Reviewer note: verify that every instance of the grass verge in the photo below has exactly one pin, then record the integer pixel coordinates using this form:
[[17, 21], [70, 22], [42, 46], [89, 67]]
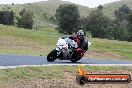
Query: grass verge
[[46, 71]]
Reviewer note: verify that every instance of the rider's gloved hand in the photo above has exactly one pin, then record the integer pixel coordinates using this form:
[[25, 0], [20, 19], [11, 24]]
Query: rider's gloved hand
[[79, 50]]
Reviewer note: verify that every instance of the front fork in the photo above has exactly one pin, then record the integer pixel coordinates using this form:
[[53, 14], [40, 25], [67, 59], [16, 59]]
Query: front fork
[[58, 51]]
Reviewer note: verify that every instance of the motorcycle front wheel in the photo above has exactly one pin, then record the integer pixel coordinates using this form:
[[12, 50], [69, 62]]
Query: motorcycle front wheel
[[52, 56]]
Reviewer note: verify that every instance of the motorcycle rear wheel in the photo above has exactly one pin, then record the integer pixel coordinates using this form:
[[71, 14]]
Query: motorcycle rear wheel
[[76, 57], [52, 56], [73, 60]]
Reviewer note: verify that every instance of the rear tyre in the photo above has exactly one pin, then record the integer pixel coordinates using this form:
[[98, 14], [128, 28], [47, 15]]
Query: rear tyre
[[75, 57], [52, 56], [73, 60]]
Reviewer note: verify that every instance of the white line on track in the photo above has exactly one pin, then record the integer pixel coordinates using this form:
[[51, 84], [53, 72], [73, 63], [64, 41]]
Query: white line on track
[[12, 67]]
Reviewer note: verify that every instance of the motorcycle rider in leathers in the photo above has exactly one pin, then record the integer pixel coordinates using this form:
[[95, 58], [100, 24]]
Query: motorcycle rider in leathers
[[81, 41]]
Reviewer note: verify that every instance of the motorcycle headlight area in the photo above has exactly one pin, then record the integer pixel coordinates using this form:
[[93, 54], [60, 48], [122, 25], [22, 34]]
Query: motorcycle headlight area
[[65, 46]]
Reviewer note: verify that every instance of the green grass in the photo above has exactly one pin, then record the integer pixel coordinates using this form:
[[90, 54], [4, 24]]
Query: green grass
[[47, 71], [100, 68], [122, 48], [23, 41], [127, 54], [31, 72]]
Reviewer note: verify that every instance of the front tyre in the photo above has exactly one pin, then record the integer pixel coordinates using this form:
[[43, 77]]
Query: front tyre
[[52, 56]]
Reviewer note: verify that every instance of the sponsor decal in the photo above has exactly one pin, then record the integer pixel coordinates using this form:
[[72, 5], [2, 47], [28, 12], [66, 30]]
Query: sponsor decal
[[82, 77]]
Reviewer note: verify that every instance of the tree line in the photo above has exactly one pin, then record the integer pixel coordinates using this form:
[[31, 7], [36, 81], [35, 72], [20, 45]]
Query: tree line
[[68, 20], [23, 20], [100, 26]]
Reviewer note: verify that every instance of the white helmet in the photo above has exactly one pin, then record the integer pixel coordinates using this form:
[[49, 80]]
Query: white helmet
[[80, 33]]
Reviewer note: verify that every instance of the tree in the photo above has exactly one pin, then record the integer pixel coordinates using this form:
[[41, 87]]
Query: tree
[[45, 16], [130, 26], [12, 4], [124, 9], [52, 19], [122, 23], [120, 33], [130, 18], [122, 15], [97, 23], [25, 20], [100, 7], [82, 23], [7, 17], [67, 16]]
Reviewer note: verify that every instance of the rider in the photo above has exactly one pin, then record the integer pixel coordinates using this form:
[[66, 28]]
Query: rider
[[81, 41]]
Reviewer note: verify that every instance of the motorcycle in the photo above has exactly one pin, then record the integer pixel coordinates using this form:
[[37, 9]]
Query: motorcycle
[[65, 50]]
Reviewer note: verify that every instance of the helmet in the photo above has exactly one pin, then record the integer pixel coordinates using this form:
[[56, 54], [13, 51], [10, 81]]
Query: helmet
[[80, 34]]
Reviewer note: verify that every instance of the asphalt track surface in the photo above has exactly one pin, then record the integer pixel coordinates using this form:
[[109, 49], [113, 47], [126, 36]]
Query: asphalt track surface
[[17, 60]]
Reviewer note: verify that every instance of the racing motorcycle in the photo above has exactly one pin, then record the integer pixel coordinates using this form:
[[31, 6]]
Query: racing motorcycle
[[65, 50]]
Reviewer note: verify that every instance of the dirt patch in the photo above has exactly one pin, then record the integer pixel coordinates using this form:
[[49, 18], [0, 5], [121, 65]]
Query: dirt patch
[[68, 82], [22, 45], [103, 55], [18, 43]]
